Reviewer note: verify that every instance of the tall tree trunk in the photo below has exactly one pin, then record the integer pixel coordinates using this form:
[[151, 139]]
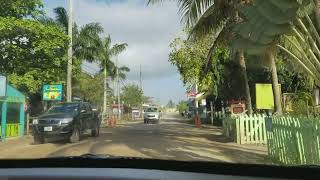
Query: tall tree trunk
[[243, 71], [104, 112], [275, 84]]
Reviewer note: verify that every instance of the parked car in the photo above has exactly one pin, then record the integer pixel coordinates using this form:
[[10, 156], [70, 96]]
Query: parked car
[[152, 114], [66, 121]]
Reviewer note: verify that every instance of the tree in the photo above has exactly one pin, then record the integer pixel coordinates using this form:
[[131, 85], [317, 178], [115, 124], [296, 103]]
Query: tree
[[214, 17], [265, 22], [132, 95], [303, 47], [106, 52], [190, 56], [86, 40], [90, 88], [31, 52], [170, 104], [21, 8], [182, 106]]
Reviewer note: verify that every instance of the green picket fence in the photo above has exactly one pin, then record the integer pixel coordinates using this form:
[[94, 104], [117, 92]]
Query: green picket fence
[[12, 130], [246, 129], [293, 141]]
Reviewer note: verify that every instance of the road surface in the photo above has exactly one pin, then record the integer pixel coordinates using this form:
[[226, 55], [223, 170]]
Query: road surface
[[173, 138]]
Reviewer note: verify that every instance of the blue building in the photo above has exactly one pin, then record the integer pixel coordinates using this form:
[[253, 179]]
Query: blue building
[[12, 113]]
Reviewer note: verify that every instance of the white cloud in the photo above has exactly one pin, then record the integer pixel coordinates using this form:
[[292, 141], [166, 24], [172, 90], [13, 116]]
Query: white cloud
[[147, 29]]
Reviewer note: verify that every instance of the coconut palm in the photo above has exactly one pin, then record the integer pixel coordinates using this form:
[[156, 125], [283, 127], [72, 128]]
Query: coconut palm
[[214, 17], [86, 41], [106, 52], [265, 22]]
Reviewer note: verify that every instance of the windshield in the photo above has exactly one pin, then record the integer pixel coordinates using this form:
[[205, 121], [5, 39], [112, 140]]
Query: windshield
[[188, 80], [152, 110], [64, 108]]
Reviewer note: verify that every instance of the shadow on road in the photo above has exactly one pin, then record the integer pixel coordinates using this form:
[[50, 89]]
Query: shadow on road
[[170, 140]]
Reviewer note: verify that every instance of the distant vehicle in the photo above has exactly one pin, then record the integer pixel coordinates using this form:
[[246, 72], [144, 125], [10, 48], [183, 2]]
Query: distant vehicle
[[152, 114], [66, 121], [135, 112]]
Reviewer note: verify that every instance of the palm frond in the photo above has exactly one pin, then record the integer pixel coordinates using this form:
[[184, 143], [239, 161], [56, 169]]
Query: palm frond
[[61, 16], [88, 43], [213, 18], [118, 48], [124, 69]]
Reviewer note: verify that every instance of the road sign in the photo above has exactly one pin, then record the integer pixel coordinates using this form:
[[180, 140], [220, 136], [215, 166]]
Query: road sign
[[3, 86], [52, 92]]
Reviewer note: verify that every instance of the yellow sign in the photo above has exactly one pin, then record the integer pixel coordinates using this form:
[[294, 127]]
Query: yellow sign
[[264, 96]]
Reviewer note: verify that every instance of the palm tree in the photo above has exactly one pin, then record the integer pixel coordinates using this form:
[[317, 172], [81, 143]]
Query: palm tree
[[86, 41], [265, 22], [106, 52], [215, 17]]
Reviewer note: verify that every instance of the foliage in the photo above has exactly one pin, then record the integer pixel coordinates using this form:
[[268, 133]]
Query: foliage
[[132, 95], [265, 22], [20, 8], [301, 103], [215, 17], [182, 106], [31, 52], [89, 88], [302, 47], [190, 57], [106, 52]]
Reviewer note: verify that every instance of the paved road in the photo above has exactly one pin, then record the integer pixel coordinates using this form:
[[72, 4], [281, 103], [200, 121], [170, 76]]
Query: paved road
[[173, 138]]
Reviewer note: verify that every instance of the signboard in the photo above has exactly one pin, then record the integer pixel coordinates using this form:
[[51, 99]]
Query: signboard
[[3, 86], [237, 108], [52, 92], [264, 96]]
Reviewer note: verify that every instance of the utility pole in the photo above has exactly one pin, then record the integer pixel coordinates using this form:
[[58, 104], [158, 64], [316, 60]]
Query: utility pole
[[105, 87], [141, 106], [196, 101], [140, 78], [69, 69], [118, 87]]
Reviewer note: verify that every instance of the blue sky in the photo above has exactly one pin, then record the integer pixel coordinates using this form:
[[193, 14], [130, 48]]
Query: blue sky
[[147, 29]]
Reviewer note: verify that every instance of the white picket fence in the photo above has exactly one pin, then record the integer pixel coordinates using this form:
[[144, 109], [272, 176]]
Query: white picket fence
[[246, 129]]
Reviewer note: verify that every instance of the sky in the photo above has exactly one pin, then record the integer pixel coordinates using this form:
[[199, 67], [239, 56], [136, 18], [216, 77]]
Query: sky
[[148, 30]]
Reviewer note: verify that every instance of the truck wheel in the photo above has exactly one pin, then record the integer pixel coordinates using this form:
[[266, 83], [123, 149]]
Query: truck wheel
[[75, 136], [95, 132], [144, 121], [38, 140]]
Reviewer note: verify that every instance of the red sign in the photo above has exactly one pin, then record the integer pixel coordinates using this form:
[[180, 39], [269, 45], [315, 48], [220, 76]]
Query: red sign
[[235, 102], [237, 108]]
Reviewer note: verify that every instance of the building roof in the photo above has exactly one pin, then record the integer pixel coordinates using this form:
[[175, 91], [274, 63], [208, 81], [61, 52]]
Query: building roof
[[13, 95]]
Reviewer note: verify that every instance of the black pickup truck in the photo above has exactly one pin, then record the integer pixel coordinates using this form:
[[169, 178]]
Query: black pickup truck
[[66, 121]]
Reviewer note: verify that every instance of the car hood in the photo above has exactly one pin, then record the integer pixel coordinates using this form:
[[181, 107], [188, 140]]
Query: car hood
[[57, 115], [151, 113]]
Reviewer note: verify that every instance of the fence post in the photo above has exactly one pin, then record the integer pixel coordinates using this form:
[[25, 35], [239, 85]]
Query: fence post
[[28, 126]]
